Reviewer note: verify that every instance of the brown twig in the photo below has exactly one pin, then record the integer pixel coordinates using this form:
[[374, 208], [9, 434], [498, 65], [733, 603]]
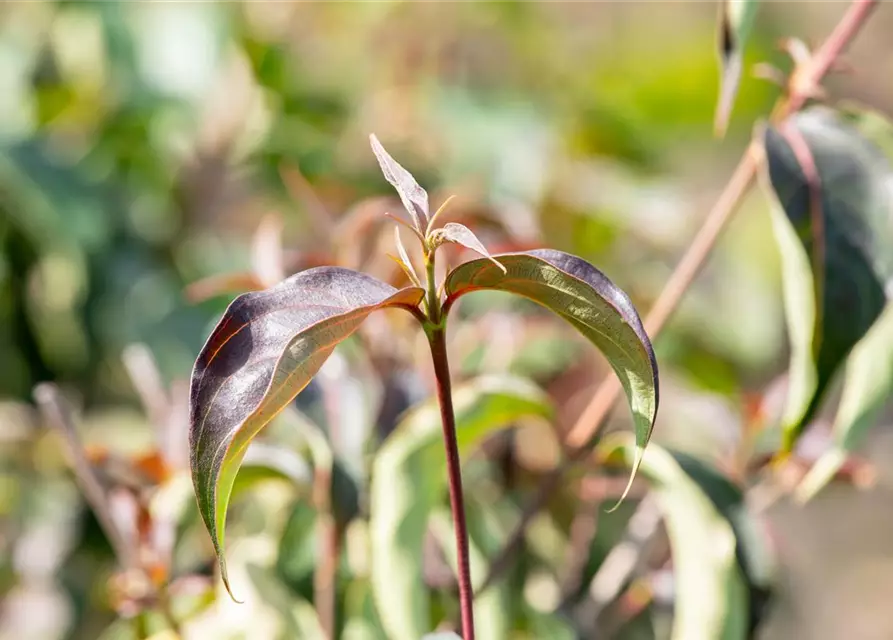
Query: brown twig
[[803, 85], [57, 413]]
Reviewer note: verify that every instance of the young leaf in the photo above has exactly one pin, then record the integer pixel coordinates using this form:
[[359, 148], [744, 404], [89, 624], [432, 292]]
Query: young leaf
[[588, 300], [711, 601], [460, 234], [832, 225], [735, 23], [414, 198], [262, 353], [409, 480], [403, 261]]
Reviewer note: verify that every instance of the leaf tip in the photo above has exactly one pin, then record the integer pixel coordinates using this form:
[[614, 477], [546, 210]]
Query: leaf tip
[[225, 577], [637, 461]]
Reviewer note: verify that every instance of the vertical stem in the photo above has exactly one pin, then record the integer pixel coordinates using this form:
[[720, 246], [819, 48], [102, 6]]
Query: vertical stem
[[437, 340]]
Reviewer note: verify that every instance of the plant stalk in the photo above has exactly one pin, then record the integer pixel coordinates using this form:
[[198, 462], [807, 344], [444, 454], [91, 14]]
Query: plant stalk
[[588, 425], [437, 341]]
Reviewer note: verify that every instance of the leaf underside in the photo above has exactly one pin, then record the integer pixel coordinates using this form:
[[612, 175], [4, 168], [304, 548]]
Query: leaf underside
[[581, 294], [832, 224], [262, 353]]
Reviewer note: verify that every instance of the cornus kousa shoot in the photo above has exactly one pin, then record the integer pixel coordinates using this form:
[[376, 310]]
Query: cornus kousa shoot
[[270, 343]]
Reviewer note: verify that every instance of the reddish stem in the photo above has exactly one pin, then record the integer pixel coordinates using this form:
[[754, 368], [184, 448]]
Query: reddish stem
[[437, 340]]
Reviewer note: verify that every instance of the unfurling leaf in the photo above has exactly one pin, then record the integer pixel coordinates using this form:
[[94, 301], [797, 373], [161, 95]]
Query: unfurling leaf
[[735, 23], [403, 261], [414, 198], [711, 596], [588, 300], [832, 225], [409, 480], [460, 234], [261, 354]]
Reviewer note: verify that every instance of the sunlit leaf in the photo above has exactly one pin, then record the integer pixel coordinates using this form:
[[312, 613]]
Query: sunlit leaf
[[414, 198], [711, 600], [460, 234], [735, 23], [409, 480], [832, 224], [263, 352], [585, 297]]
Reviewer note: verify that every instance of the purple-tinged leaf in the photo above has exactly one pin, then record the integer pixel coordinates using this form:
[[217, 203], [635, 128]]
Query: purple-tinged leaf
[[262, 353], [460, 234], [585, 297], [414, 198]]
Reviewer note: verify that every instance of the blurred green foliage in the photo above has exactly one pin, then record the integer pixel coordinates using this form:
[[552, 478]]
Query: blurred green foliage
[[141, 146]]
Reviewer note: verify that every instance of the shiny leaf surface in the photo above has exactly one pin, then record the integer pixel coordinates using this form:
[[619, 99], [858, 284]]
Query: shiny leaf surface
[[588, 300], [262, 353]]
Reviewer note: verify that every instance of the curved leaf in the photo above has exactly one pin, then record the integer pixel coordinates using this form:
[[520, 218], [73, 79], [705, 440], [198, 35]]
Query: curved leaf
[[833, 230], [735, 23], [409, 480], [585, 297], [866, 389], [261, 354], [711, 600]]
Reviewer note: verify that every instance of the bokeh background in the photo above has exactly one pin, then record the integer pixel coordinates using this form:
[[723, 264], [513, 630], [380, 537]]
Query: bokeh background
[[142, 145]]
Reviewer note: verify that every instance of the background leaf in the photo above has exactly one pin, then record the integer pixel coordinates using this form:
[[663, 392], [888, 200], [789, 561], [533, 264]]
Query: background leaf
[[409, 480], [735, 23], [585, 297], [866, 389], [711, 597], [263, 352], [846, 237]]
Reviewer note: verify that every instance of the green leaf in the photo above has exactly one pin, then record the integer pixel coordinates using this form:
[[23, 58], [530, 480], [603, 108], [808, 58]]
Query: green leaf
[[711, 600], [832, 225], [409, 480], [492, 609], [262, 353], [866, 390], [735, 23], [585, 297]]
